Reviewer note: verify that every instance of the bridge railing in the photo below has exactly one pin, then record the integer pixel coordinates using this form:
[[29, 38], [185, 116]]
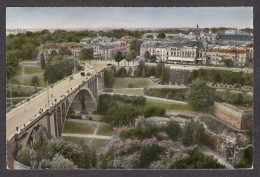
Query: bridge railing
[[40, 115], [36, 94]]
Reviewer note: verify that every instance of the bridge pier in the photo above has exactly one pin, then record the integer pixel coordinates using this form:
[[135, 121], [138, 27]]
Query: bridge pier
[[54, 118]]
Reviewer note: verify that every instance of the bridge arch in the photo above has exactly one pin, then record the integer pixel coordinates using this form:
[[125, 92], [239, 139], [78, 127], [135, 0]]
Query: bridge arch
[[82, 99]]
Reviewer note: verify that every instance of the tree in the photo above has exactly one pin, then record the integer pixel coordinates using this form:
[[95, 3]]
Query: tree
[[129, 57], [118, 57], [192, 133], [158, 70], [64, 51], [154, 111], [53, 53], [197, 160], [228, 62], [217, 78], [147, 55], [122, 114], [201, 97], [149, 154], [43, 64], [58, 70], [109, 78], [153, 58], [35, 82], [86, 54], [165, 76], [161, 35], [173, 130], [29, 51], [149, 36], [143, 72], [133, 53], [135, 46]]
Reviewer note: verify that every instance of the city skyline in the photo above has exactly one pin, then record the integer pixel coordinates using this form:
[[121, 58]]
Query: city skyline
[[130, 17]]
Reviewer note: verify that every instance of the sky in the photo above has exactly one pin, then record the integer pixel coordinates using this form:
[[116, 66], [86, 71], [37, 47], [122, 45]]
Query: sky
[[127, 17]]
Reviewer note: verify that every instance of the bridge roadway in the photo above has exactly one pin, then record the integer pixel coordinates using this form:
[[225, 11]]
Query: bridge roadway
[[25, 113]]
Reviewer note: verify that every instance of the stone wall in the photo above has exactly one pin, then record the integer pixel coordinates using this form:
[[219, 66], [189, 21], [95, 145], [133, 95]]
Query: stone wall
[[178, 76]]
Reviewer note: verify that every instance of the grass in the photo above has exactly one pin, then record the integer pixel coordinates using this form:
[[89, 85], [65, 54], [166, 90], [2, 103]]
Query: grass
[[19, 70], [137, 82], [104, 130], [77, 127], [32, 70], [78, 140], [169, 106], [136, 91], [27, 81], [96, 143]]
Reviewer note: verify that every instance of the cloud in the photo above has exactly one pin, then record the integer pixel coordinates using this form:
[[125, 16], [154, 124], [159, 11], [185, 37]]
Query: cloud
[[128, 17]]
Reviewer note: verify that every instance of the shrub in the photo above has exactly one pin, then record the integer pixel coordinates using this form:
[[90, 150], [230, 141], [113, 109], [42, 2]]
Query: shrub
[[154, 111], [197, 160], [140, 132], [192, 133], [149, 154], [173, 130]]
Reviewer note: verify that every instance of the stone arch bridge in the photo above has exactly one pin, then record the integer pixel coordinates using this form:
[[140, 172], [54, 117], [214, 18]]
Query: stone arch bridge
[[79, 93]]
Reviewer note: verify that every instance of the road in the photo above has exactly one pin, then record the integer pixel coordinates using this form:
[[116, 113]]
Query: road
[[221, 159], [23, 114], [93, 136]]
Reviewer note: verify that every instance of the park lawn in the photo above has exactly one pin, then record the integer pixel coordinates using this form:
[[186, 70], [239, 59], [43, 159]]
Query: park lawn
[[133, 91], [96, 143], [104, 130], [27, 81], [169, 106], [78, 127], [231, 90], [32, 70], [78, 140], [18, 71], [137, 82]]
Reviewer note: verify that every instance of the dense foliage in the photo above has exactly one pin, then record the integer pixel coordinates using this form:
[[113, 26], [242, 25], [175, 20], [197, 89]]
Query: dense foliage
[[149, 154], [23, 46], [122, 109], [109, 77], [154, 111], [201, 97], [192, 133], [220, 29], [239, 99], [225, 77], [247, 159], [197, 160], [59, 70], [86, 54], [121, 114], [55, 153], [161, 35], [173, 130], [140, 132], [174, 94], [106, 101], [119, 33]]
